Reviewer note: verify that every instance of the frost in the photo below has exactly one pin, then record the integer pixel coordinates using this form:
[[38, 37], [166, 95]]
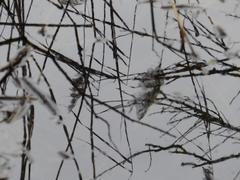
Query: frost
[[208, 173], [150, 83], [14, 108], [18, 60], [17, 113], [33, 89], [75, 93], [72, 2], [143, 101], [205, 71], [220, 32], [151, 79]]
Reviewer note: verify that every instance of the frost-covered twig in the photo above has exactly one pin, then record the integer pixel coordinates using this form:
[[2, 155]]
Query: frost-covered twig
[[150, 84]]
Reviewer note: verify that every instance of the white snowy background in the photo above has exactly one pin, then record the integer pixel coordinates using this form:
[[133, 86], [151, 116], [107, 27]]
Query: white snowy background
[[48, 136]]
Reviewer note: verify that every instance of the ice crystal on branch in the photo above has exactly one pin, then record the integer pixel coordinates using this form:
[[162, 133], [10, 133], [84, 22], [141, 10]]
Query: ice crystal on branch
[[208, 173], [150, 83], [76, 93], [71, 2]]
